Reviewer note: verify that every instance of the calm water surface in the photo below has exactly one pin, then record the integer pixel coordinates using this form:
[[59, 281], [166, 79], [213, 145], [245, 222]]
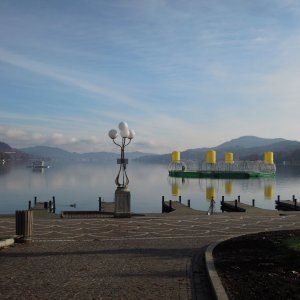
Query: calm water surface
[[83, 183]]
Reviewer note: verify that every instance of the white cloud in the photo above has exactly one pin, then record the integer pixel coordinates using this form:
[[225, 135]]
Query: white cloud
[[192, 74]]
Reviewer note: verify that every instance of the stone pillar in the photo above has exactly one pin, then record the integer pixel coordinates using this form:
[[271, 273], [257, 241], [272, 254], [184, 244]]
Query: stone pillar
[[24, 223], [122, 203]]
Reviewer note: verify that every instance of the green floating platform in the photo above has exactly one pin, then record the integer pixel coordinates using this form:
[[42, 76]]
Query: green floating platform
[[220, 174]]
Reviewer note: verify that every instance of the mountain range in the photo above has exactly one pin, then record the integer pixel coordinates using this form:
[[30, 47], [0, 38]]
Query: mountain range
[[51, 153], [244, 148]]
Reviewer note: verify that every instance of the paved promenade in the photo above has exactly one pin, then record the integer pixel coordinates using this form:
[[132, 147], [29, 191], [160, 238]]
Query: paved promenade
[[150, 257]]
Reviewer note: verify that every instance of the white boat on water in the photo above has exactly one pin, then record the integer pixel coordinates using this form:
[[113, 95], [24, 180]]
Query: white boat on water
[[38, 164]]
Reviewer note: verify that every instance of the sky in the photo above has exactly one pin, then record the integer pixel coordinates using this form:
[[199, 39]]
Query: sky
[[182, 73]]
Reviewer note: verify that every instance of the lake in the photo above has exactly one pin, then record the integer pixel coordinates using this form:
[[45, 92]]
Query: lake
[[84, 183]]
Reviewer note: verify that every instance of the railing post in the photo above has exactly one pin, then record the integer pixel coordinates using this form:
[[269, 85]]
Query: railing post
[[53, 204], [50, 206], [100, 204], [223, 199]]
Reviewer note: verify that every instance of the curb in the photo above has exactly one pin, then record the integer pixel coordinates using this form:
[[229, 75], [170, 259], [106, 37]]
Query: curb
[[215, 281], [6, 243]]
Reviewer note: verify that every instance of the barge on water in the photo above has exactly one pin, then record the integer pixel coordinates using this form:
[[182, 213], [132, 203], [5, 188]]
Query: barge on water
[[221, 169], [38, 165]]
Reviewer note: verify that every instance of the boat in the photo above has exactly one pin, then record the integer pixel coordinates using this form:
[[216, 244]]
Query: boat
[[228, 169], [38, 164]]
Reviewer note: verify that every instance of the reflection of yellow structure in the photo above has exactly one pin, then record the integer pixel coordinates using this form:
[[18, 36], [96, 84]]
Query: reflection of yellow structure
[[210, 193], [228, 187], [268, 192], [229, 158], [268, 158], [175, 189], [211, 157], [175, 156]]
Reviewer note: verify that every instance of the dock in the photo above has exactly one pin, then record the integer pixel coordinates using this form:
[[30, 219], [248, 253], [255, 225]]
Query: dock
[[237, 206], [287, 205], [44, 209], [178, 208], [106, 209], [233, 206]]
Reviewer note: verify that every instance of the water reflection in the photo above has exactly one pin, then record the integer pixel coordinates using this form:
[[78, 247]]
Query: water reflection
[[228, 187], [268, 191], [83, 183]]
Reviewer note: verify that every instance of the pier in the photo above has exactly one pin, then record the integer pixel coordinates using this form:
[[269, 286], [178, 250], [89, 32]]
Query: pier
[[106, 209], [287, 205], [238, 206]]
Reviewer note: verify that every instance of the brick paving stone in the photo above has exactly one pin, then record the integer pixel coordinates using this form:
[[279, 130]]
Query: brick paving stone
[[159, 257]]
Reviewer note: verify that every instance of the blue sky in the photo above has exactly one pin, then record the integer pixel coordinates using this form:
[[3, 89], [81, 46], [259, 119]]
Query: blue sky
[[182, 74]]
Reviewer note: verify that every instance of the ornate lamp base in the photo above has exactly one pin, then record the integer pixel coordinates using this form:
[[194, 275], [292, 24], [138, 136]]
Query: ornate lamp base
[[122, 203]]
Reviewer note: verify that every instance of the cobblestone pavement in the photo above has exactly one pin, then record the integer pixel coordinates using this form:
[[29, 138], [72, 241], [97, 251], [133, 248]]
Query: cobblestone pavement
[[157, 257]]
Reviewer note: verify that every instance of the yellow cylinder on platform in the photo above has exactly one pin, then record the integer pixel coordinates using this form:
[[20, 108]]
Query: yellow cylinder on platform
[[268, 191], [175, 156], [210, 193], [175, 189], [228, 187], [229, 158], [211, 157], [268, 158]]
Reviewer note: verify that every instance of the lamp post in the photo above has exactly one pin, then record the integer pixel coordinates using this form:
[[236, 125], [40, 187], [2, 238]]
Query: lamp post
[[122, 193]]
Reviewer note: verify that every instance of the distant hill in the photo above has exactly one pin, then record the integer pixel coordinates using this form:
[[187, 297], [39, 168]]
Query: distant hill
[[244, 148], [48, 153], [5, 148], [57, 154], [9, 153], [249, 141]]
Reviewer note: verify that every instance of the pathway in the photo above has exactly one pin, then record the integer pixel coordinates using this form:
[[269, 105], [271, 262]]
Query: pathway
[[151, 257]]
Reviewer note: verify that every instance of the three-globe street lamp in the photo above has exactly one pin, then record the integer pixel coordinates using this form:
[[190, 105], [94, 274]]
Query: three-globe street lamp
[[126, 137]]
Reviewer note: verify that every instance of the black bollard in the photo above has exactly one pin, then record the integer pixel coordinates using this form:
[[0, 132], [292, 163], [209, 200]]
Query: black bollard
[[223, 199], [235, 204], [50, 206], [278, 198], [35, 198], [53, 204], [189, 203], [162, 204], [239, 198], [29, 205], [100, 204], [253, 202], [179, 199], [170, 205]]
